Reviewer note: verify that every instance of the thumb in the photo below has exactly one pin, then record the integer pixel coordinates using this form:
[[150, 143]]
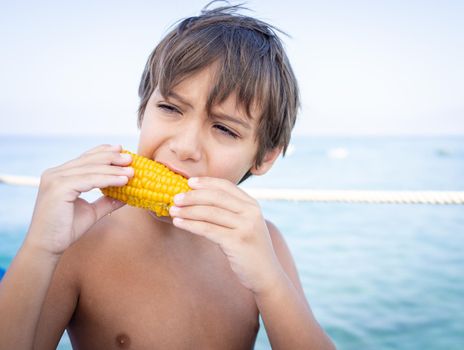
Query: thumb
[[106, 205]]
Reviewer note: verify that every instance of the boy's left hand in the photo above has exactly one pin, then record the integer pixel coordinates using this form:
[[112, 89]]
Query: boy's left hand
[[223, 213]]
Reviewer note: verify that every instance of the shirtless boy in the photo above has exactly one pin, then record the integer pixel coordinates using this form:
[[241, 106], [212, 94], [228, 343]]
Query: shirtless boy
[[218, 102]]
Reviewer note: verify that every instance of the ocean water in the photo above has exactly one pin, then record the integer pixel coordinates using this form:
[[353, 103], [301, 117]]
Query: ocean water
[[377, 276]]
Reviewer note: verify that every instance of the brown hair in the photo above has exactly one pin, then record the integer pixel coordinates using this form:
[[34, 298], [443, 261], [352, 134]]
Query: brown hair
[[252, 62]]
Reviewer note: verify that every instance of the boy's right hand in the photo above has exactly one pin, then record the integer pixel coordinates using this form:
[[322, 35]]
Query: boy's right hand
[[60, 217]]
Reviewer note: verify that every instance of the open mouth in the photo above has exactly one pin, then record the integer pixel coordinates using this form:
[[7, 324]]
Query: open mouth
[[177, 171]]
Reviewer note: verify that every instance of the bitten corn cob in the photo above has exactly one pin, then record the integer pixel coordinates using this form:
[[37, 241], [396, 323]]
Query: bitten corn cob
[[152, 187]]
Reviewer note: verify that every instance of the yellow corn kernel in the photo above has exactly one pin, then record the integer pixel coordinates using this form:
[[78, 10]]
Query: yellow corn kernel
[[152, 187]]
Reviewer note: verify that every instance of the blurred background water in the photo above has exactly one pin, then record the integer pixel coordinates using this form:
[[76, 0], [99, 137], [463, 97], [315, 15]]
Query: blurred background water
[[377, 276]]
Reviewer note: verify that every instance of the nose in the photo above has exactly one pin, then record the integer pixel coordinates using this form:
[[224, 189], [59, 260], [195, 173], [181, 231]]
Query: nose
[[186, 142]]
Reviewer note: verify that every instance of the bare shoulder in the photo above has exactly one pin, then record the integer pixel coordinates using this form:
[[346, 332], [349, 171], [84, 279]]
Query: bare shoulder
[[284, 255]]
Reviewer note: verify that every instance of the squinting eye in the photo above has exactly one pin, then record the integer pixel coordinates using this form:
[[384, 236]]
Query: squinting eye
[[226, 131], [168, 108]]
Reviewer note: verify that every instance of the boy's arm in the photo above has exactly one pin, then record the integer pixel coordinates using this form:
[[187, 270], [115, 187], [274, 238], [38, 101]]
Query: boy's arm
[[60, 218], [22, 291], [226, 215], [34, 277], [60, 302], [284, 309]]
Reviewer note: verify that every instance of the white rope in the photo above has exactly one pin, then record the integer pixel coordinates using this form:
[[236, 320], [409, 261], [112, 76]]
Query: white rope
[[350, 196], [308, 195], [19, 180]]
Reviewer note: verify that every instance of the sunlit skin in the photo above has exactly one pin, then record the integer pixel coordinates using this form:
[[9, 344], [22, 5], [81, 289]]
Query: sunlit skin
[[187, 138], [184, 282], [178, 131], [198, 280]]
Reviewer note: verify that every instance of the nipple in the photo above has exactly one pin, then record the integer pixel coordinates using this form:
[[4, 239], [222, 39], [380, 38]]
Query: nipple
[[123, 341]]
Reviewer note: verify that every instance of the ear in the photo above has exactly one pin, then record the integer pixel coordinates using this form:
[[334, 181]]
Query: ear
[[268, 161]]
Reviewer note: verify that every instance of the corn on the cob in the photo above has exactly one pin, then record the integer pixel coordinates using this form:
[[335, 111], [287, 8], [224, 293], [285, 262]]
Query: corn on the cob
[[152, 187]]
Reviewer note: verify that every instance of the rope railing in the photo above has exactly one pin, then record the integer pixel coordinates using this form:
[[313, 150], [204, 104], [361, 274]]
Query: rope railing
[[17, 180], [310, 195], [359, 196]]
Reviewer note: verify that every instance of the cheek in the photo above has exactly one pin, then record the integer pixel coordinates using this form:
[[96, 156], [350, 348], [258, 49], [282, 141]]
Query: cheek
[[149, 138], [231, 166]]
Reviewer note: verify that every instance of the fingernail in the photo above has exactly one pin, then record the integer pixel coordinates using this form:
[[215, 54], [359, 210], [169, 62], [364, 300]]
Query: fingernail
[[178, 198], [177, 221], [125, 156], [129, 170], [174, 210], [193, 180]]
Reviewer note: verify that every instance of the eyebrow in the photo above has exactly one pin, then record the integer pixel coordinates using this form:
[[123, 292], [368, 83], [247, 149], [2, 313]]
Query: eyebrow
[[179, 98], [217, 115], [232, 119]]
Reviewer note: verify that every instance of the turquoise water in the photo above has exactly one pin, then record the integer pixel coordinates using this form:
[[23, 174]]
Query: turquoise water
[[376, 276]]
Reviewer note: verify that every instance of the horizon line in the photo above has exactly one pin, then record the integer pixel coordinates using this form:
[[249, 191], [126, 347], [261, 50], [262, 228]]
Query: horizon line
[[306, 134]]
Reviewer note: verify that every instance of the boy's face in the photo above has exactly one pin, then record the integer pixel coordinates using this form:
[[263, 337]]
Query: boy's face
[[178, 132]]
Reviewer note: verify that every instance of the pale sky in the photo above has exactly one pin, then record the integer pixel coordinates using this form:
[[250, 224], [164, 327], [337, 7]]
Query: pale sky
[[364, 67]]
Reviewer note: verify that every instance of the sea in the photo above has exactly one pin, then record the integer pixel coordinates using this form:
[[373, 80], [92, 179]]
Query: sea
[[377, 276]]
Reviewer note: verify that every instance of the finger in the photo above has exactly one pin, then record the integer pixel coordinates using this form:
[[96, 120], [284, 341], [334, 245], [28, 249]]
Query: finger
[[92, 212], [104, 147], [102, 181], [85, 183], [106, 157], [209, 197], [103, 157], [214, 233], [214, 197], [99, 148], [219, 183], [214, 215], [98, 169]]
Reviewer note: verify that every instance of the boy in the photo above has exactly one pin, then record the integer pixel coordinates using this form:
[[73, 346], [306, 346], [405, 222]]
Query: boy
[[218, 102]]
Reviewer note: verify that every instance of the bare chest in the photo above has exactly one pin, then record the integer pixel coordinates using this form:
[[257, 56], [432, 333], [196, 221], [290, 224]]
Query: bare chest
[[166, 303]]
